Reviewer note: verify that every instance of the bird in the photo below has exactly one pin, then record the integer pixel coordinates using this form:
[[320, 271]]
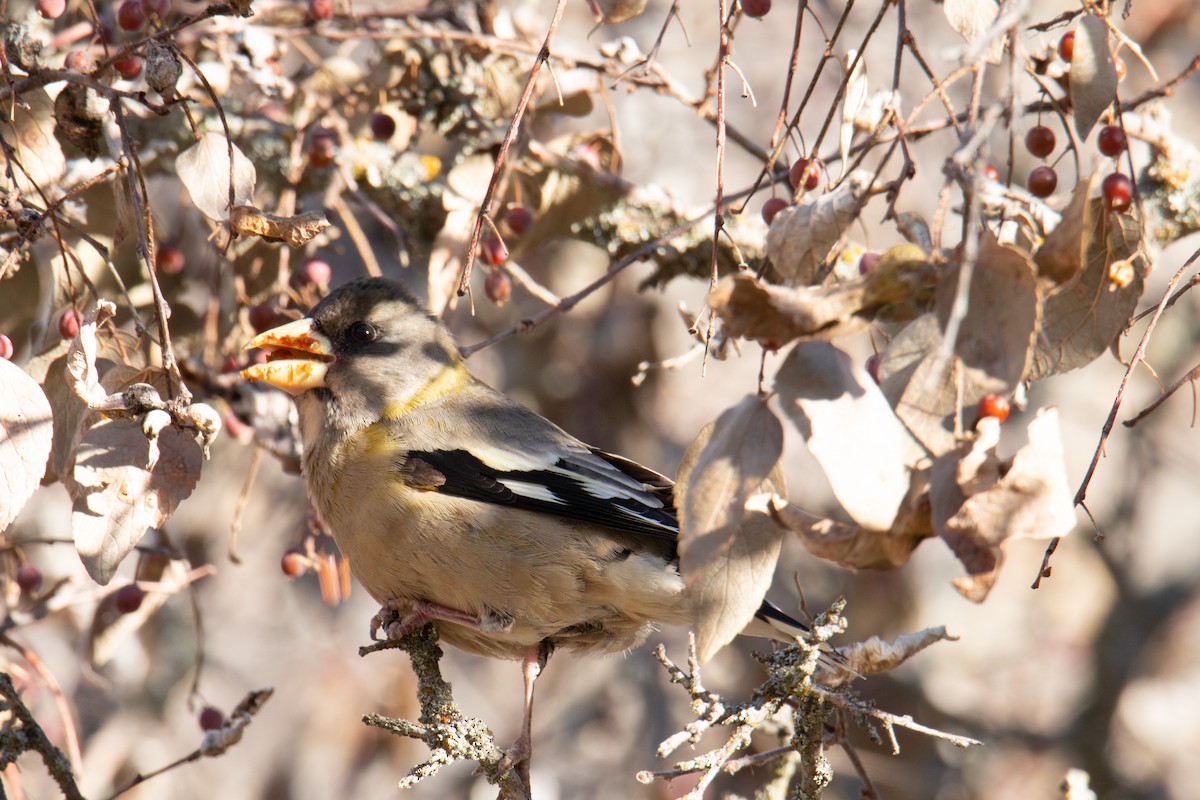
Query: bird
[[457, 505]]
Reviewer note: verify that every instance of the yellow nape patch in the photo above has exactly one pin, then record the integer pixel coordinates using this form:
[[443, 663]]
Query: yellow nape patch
[[445, 382]]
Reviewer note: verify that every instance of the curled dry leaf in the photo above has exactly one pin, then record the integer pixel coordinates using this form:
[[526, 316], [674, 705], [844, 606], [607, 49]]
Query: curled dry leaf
[[876, 656], [1093, 84], [204, 169], [1083, 317], [26, 435], [979, 503], [855, 547], [852, 105], [728, 542], [79, 116], [115, 499], [971, 19], [850, 428], [1061, 255], [801, 236], [41, 157], [294, 231]]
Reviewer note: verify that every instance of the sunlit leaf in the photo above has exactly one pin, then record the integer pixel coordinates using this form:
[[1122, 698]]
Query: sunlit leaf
[[1093, 74], [801, 236], [204, 170], [26, 435]]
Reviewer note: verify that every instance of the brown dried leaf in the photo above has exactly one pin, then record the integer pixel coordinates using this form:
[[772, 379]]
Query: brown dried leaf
[[79, 118], [801, 236], [205, 172], [1061, 256], [971, 19], [1093, 84], [876, 656], [1083, 317], [39, 153], [852, 546], [295, 231], [923, 401], [852, 104], [728, 543], [776, 315], [26, 434], [116, 499], [71, 415], [850, 428]]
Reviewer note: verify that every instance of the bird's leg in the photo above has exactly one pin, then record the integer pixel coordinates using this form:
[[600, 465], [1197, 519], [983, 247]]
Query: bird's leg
[[415, 614], [519, 752]]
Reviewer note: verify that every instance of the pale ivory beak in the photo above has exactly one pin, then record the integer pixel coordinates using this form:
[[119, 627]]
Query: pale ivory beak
[[298, 357]]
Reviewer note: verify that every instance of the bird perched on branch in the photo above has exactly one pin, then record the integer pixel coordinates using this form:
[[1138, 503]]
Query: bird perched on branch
[[456, 505]]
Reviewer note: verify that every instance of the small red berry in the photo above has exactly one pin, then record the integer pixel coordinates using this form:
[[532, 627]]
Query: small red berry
[[519, 218], [29, 578], [6, 347], [1111, 140], [68, 323], [868, 262], [130, 15], [321, 145], [211, 719], [1039, 140], [493, 251], [128, 68], [756, 8], [169, 258], [798, 171], [1117, 191], [128, 598], [994, 405], [772, 207], [1066, 46], [383, 126], [156, 8], [498, 287], [294, 563], [51, 9], [262, 317], [320, 9], [1042, 181], [78, 60], [316, 272], [991, 173]]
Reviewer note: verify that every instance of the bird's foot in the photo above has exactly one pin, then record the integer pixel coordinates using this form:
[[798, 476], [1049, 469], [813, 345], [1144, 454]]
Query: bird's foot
[[400, 617], [517, 754]]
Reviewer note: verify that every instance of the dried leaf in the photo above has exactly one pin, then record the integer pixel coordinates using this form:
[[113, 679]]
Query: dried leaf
[[876, 656], [1083, 317], [205, 172], [850, 428], [801, 236], [116, 499], [971, 19], [1093, 74], [924, 401], [852, 546], [26, 434], [852, 104], [1061, 255], [79, 116], [40, 154], [295, 231], [728, 545], [71, 415]]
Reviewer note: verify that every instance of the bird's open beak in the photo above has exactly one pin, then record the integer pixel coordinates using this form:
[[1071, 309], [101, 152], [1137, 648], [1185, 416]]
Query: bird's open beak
[[297, 357]]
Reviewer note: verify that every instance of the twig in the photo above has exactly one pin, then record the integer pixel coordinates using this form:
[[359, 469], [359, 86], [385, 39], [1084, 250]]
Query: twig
[[32, 737]]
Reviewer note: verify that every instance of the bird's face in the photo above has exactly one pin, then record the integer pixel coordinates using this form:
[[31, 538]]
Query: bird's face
[[353, 358]]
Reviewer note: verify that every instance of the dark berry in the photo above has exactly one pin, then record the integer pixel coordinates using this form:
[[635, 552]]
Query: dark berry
[[1066, 46], [498, 287], [294, 563], [211, 719], [798, 171], [493, 251], [6, 347], [128, 598], [169, 259], [262, 317], [383, 126], [1111, 140], [1117, 191], [51, 9], [316, 272], [128, 68], [130, 15], [874, 361], [320, 9], [994, 405], [756, 8], [29, 578], [1042, 181], [868, 262], [321, 144], [772, 207], [519, 218], [68, 323], [1039, 140]]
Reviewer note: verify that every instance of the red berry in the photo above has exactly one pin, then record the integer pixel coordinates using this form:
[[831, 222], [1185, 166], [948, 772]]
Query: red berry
[[772, 207], [78, 60], [316, 272], [29, 578], [798, 171], [128, 598], [493, 251], [321, 144], [232, 363], [211, 719], [874, 361], [68, 323], [519, 218], [128, 68], [1042, 181], [383, 126], [169, 259], [6, 347], [294, 563], [991, 173], [497, 286], [756, 8], [262, 317], [868, 262], [994, 405], [1111, 140], [1117, 191], [51, 9], [1066, 46], [1039, 140], [130, 15], [156, 8], [320, 9]]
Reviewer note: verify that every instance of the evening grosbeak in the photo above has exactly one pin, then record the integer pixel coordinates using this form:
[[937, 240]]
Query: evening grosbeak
[[456, 505]]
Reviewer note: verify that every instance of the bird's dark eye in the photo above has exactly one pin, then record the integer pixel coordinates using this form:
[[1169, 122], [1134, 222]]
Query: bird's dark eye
[[363, 332]]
